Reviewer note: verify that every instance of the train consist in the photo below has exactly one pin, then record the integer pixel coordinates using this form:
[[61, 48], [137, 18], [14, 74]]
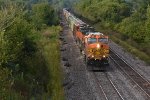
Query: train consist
[[93, 44]]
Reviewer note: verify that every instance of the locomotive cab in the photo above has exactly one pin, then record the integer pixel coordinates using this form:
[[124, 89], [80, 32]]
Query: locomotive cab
[[96, 49]]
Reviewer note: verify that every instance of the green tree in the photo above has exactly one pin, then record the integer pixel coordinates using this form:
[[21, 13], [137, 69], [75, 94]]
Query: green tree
[[147, 25], [43, 14]]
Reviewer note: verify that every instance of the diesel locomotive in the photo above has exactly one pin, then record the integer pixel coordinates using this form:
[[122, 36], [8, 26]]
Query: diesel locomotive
[[94, 45]]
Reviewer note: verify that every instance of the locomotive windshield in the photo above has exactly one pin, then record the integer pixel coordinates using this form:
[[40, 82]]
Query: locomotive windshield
[[92, 40], [103, 40]]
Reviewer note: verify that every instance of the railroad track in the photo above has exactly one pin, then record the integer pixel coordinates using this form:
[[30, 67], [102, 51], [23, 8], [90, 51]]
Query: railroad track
[[111, 86], [136, 77]]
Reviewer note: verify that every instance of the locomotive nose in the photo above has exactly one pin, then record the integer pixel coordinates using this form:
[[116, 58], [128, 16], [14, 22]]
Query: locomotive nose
[[98, 46]]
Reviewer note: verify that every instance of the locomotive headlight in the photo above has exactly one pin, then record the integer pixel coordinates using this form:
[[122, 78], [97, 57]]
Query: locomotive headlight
[[104, 56], [92, 56], [98, 46]]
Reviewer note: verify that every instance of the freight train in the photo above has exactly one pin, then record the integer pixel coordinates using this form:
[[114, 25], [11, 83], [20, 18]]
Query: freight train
[[94, 45]]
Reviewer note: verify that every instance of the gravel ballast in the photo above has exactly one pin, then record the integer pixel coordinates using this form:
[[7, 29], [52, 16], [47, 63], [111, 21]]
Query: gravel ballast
[[80, 84], [136, 63]]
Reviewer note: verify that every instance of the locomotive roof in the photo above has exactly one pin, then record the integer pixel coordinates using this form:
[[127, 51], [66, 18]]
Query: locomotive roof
[[95, 33], [86, 30], [85, 26]]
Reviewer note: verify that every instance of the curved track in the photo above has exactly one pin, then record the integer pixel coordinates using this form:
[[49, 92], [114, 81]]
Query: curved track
[[136, 77]]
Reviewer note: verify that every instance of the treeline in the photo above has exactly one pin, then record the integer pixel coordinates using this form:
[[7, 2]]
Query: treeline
[[60, 4], [24, 72], [128, 20]]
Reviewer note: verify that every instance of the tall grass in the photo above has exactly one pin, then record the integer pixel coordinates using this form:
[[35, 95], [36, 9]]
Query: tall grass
[[50, 48]]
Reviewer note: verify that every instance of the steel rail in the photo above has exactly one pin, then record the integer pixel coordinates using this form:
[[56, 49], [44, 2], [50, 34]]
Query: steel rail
[[100, 86], [114, 87], [112, 84], [137, 74], [130, 66]]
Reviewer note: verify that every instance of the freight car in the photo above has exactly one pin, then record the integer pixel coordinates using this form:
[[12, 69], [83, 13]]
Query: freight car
[[94, 45]]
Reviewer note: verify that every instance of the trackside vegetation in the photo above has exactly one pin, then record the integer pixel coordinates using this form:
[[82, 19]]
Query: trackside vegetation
[[49, 45], [29, 51], [125, 20]]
